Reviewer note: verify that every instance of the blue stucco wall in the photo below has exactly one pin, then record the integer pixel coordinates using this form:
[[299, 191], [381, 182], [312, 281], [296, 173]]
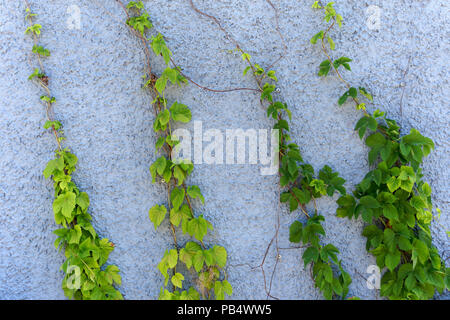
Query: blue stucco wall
[[96, 77]]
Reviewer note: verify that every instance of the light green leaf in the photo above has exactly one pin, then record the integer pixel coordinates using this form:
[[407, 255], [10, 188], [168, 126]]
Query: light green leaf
[[157, 214]]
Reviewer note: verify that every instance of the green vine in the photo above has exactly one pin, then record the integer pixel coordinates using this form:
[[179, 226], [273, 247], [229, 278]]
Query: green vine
[[393, 199], [303, 187], [299, 179], [208, 264], [85, 252]]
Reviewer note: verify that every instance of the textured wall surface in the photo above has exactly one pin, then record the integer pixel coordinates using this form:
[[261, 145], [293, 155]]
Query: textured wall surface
[[96, 77]]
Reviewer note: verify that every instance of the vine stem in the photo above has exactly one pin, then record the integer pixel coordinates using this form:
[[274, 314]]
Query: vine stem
[[41, 83], [325, 51]]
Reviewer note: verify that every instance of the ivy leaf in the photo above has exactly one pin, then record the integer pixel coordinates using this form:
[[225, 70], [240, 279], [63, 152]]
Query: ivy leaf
[[364, 123], [161, 83], [159, 143], [194, 192], [75, 235], [218, 291], [310, 255], [390, 212], [65, 203], [316, 37], [369, 202], [112, 275], [301, 196], [349, 93], [392, 260], [52, 166], [175, 217], [157, 214], [177, 279], [177, 197], [180, 112], [420, 251], [179, 174], [393, 184], [404, 244], [83, 200], [343, 61], [198, 261], [324, 68], [198, 227], [220, 256], [331, 43], [366, 94], [172, 258], [295, 232], [227, 288]]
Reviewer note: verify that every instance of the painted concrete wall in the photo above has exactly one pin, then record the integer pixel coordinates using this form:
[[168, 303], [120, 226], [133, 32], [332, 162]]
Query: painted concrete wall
[[96, 76]]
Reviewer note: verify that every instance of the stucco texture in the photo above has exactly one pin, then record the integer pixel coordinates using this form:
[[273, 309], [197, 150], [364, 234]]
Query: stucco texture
[[96, 77]]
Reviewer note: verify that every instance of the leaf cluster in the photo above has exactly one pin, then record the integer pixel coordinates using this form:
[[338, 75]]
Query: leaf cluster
[[393, 199]]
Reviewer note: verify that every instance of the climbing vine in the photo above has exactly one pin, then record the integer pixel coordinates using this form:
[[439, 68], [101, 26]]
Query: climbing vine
[[393, 199], [301, 185], [208, 263], [85, 278]]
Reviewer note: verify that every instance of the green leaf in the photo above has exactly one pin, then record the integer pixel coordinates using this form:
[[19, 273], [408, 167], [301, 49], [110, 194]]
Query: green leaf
[[175, 217], [179, 174], [52, 166], [227, 288], [316, 37], [172, 258], [180, 112], [376, 140], [331, 43], [177, 197], [194, 192], [369, 202], [392, 260], [390, 212], [198, 261], [177, 279], [364, 92], [404, 244], [160, 165], [310, 255], [218, 290], [198, 227], [83, 200], [393, 184], [75, 235], [295, 232], [220, 256], [157, 215], [343, 61], [112, 275], [161, 83], [324, 68], [420, 250], [65, 203]]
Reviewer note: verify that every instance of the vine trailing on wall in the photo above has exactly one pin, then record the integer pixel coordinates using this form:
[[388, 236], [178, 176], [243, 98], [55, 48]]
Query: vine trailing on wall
[[208, 263], [393, 198], [86, 254], [302, 186]]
